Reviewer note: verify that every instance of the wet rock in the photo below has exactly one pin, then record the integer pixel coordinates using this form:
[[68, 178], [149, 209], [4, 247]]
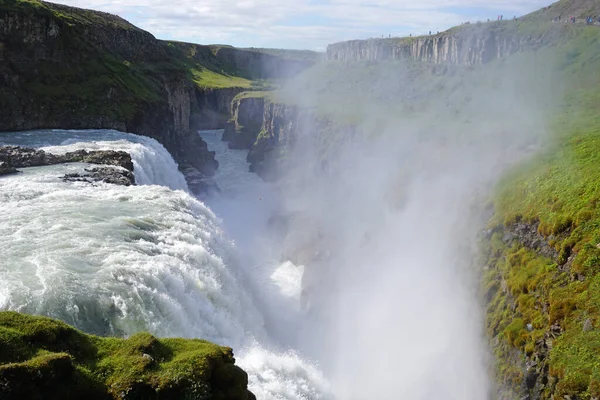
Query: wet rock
[[527, 234], [199, 183], [120, 171], [6, 169], [115, 176], [23, 157], [531, 378], [106, 157]]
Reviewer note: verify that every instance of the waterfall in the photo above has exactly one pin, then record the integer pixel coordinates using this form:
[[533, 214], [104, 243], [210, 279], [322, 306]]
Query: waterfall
[[115, 260]]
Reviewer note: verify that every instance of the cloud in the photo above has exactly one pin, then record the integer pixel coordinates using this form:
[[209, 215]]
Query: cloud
[[299, 23]]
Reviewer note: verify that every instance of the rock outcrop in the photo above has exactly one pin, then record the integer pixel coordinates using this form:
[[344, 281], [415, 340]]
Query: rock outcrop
[[115, 176], [212, 107], [246, 122], [6, 169], [119, 170], [22, 157]]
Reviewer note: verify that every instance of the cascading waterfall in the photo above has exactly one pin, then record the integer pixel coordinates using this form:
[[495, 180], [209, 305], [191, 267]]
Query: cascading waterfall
[[117, 260]]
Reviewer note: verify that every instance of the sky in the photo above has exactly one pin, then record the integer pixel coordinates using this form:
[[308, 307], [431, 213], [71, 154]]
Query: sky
[[301, 24]]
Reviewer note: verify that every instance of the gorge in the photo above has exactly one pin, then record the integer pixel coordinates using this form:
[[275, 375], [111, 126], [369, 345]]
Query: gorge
[[396, 218]]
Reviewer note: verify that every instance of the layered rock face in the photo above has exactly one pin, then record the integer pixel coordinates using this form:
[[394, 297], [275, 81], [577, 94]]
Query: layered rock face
[[264, 127], [246, 123], [473, 45], [213, 107]]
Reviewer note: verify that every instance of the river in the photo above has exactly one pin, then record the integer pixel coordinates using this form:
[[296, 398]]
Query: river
[[116, 260]]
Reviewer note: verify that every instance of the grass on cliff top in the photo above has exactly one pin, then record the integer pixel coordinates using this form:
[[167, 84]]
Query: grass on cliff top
[[44, 358], [560, 190], [206, 78], [71, 15]]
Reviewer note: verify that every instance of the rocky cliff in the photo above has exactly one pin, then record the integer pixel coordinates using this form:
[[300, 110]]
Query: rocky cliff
[[264, 127], [465, 46], [64, 67], [247, 114], [212, 107]]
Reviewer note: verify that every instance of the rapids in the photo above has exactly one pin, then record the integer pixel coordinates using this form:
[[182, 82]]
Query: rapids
[[115, 260]]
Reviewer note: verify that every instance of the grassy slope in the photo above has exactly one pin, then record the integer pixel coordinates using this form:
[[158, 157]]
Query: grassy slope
[[44, 358], [560, 189]]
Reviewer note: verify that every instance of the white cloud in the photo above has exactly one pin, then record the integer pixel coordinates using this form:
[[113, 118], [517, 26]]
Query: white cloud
[[299, 23]]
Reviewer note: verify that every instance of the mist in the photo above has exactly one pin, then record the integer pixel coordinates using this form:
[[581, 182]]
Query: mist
[[383, 212]]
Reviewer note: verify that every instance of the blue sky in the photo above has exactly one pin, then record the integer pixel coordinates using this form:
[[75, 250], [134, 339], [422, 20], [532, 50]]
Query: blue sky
[[301, 24]]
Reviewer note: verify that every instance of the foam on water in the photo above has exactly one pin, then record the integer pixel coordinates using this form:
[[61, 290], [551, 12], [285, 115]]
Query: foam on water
[[117, 260]]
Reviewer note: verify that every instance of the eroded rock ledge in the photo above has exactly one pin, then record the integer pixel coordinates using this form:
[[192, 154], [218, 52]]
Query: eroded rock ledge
[[119, 170]]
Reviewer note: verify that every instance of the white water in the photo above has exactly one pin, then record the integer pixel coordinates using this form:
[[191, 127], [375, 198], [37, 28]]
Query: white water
[[117, 260]]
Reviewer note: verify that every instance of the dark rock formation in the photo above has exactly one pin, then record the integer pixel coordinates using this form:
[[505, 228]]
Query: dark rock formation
[[116, 176], [22, 157], [6, 169], [246, 123], [212, 107], [119, 172], [528, 236], [197, 181]]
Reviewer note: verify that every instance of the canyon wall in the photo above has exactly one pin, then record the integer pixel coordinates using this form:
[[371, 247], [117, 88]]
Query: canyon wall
[[465, 46], [69, 68], [63, 67]]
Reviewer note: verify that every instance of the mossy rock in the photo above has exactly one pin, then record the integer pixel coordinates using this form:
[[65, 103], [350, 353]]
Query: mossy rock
[[42, 358]]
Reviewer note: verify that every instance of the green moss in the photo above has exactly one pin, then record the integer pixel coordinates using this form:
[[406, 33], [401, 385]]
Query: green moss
[[41, 357], [560, 190]]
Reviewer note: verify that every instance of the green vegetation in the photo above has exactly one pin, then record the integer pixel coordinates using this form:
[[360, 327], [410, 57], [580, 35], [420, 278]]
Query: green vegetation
[[44, 358], [549, 309], [206, 78]]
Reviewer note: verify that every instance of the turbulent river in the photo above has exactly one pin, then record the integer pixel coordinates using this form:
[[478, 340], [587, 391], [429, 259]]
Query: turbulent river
[[115, 260]]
